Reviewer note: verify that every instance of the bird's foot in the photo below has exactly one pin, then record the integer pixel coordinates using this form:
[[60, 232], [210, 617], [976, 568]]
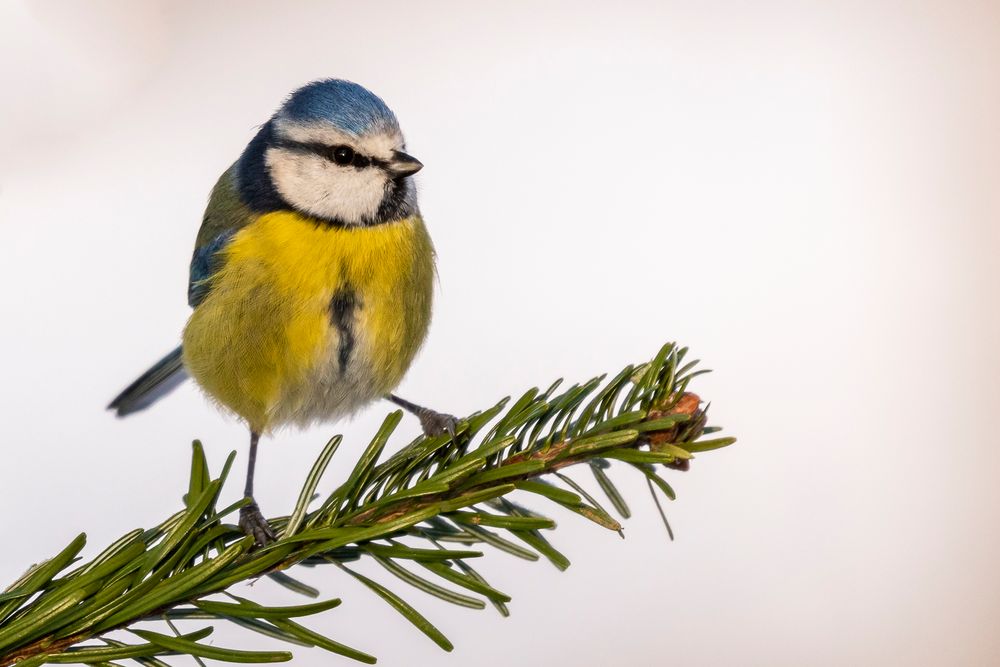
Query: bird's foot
[[253, 523], [435, 423]]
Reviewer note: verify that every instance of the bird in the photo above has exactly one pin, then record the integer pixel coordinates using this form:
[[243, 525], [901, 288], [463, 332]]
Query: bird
[[311, 282]]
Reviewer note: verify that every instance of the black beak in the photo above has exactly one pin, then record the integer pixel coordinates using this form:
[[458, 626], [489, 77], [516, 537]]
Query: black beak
[[402, 164]]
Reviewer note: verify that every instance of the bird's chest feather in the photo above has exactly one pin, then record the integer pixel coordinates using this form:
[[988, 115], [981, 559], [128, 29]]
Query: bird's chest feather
[[317, 319]]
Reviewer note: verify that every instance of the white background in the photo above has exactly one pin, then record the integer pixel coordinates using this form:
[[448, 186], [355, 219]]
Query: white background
[[806, 195]]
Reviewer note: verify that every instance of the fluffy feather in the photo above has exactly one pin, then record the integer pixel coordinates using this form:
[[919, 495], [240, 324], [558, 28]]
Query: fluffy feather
[[264, 342]]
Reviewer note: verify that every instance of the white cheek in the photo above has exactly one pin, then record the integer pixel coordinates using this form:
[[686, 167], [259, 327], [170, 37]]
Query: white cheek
[[315, 185], [355, 194]]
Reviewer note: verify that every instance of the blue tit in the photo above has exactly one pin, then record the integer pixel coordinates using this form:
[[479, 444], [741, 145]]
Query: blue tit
[[312, 276]]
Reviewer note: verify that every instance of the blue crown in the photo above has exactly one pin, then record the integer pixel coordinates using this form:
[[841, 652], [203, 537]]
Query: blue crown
[[348, 106]]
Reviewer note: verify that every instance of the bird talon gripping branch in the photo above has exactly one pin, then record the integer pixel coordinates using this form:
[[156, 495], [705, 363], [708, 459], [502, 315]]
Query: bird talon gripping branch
[[253, 523], [432, 423], [438, 423]]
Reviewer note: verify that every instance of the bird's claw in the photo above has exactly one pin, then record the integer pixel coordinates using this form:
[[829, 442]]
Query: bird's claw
[[436, 423], [253, 523]]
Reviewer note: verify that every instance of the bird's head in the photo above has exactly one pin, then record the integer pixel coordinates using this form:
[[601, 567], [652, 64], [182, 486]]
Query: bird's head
[[333, 151]]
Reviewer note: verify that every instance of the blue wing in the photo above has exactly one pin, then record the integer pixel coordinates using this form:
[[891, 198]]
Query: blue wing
[[226, 214], [204, 263]]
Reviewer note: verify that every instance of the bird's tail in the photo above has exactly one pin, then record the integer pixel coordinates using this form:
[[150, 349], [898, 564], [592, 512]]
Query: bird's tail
[[165, 375]]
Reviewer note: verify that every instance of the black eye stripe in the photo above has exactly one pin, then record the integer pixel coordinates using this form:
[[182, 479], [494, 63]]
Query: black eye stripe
[[360, 161], [357, 160]]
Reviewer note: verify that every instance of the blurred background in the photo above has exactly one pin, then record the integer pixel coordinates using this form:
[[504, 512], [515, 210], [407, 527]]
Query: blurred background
[[806, 194]]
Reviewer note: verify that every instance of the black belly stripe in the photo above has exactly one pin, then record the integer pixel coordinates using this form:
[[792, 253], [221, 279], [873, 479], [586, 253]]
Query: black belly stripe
[[342, 307]]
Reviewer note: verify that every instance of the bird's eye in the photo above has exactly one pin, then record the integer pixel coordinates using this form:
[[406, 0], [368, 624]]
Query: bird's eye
[[343, 155]]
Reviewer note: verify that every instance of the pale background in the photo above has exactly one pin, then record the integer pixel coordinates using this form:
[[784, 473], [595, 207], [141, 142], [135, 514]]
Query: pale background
[[805, 194]]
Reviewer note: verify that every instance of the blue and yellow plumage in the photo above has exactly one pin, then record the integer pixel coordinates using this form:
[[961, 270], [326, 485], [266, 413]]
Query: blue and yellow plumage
[[312, 275]]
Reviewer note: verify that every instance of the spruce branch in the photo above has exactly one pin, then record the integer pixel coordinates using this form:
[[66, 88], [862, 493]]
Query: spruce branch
[[419, 513]]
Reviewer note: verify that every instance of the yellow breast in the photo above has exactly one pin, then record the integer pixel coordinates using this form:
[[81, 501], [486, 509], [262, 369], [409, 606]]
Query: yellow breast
[[292, 296]]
